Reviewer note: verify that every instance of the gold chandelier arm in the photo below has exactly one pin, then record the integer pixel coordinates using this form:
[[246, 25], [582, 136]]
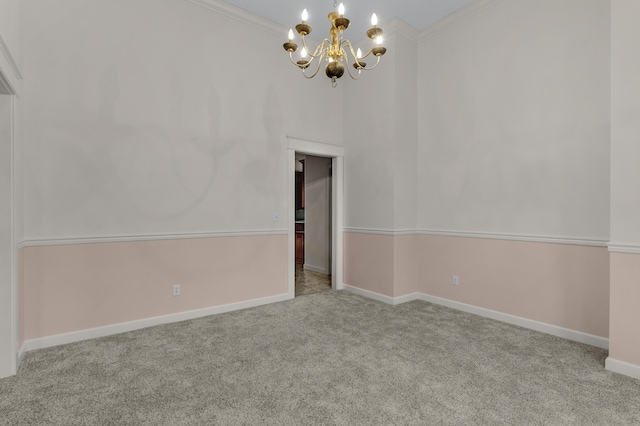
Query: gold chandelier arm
[[295, 63], [318, 50], [373, 44], [347, 43], [374, 65], [351, 75], [356, 59], [314, 74]]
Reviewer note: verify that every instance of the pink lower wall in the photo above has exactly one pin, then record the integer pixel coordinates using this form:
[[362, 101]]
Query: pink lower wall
[[406, 281], [382, 264], [558, 284], [81, 286], [368, 262], [624, 336]]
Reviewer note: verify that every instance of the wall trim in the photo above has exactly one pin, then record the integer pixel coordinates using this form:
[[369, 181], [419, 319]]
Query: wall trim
[[398, 26], [158, 237], [579, 241], [336, 153], [624, 248], [311, 147], [457, 17], [488, 236], [554, 330], [387, 232], [21, 353], [108, 330], [370, 294], [622, 367], [243, 16]]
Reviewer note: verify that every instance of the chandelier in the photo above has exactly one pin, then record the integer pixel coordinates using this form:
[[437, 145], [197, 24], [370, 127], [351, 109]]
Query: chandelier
[[335, 51]]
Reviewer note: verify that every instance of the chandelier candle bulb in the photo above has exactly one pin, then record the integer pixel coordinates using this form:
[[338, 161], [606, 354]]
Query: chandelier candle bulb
[[341, 10], [290, 36], [374, 20], [305, 16]]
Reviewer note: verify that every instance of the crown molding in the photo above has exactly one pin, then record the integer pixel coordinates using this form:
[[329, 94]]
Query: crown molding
[[398, 26], [243, 16], [457, 17]]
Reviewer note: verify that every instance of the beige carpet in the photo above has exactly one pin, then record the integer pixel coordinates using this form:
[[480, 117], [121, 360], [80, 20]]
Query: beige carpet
[[330, 358]]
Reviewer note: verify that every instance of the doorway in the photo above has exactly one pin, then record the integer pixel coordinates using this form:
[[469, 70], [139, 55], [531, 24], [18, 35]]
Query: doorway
[[333, 156], [313, 198]]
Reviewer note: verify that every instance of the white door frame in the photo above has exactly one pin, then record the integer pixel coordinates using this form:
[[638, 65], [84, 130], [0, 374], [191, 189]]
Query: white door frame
[[8, 279], [336, 153]]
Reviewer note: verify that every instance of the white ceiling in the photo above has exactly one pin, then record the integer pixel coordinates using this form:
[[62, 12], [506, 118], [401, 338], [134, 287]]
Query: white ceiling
[[418, 13]]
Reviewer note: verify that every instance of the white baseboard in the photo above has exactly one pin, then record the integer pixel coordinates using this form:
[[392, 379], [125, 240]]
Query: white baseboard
[[622, 367], [369, 294], [381, 297], [108, 330], [554, 330], [21, 352], [317, 269]]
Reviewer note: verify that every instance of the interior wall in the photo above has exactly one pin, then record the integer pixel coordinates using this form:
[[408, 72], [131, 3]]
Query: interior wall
[[143, 123], [143, 120], [76, 287], [404, 143], [317, 210], [624, 354], [381, 167], [513, 154], [369, 144], [514, 122]]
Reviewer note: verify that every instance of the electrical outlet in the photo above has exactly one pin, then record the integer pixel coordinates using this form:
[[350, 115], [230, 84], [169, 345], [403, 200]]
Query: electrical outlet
[[276, 216], [176, 289], [455, 280]]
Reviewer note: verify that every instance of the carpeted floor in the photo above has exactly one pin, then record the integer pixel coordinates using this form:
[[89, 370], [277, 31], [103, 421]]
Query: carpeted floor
[[330, 358]]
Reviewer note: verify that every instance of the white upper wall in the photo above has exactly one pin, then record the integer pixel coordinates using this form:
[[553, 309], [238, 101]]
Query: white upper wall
[[406, 132], [625, 125], [369, 134], [513, 107], [160, 117], [380, 134]]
